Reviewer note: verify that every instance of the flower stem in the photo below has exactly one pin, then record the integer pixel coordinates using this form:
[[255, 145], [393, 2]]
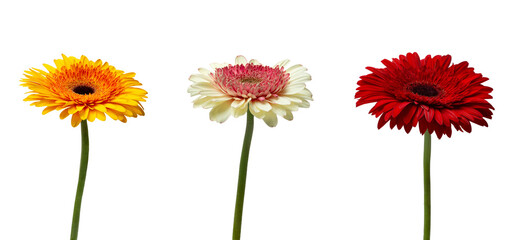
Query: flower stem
[[427, 185], [81, 180], [242, 174]]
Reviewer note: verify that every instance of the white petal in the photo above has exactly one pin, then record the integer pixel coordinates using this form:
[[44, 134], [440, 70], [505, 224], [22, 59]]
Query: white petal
[[292, 107], [237, 112], [295, 69], [294, 88], [240, 60], [304, 94], [294, 99], [200, 102], [270, 118], [203, 86], [238, 103], [211, 104], [288, 116], [254, 61], [212, 93], [257, 113], [304, 104], [281, 100], [301, 78], [193, 91], [262, 106], [221, 112], [282, 63], [209, 101], [204, 71], [196, 78], [279, 110], [214, 66]]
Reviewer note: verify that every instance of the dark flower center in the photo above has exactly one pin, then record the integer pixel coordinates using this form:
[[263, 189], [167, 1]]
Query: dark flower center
[[84, 90], [423, 89], [251, 80]]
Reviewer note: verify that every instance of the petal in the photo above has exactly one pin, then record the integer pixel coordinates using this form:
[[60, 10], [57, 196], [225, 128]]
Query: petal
[[115, 107], [64, 114], [49, 68], [75, 119], [281, 100], [92, 115], [240, 60], [295, 69], [48, 109], [204, 71], [288, 116], [261, 106], [254, 62], [294, 88], [299, 78], [196, 78], [218, 65], [72, 110], [279, 110], [270, 118], [125, 101], [100, 115], [237, 112], [282, 63], [238, 103], [112, 114], [304, 104], [221, 112], [84, 114], [100, 107]]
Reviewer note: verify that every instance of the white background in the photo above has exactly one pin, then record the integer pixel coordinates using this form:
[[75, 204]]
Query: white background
[[328, 174]]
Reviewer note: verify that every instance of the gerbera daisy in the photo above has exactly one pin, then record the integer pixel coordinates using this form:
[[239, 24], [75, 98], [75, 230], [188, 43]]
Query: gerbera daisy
[[85, 89], [266, 91], [429, 92], [255, 89]]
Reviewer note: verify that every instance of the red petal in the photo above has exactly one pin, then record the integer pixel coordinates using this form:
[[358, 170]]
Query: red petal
[[429, 114], [407, 127], [399, 107], [466, 125], [438, 116], [409, 114], [381, 122]]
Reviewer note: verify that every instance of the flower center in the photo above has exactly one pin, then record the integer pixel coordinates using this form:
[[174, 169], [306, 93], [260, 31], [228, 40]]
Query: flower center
[[83, 90], [250, 80], [423, 89]]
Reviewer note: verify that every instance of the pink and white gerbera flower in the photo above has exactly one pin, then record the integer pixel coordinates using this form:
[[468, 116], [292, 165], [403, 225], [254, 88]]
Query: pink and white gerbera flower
[[266, 91]]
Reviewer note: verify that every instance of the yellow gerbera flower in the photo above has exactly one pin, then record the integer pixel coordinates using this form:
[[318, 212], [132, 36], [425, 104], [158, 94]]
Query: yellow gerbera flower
[[85, 89], [268, 91]]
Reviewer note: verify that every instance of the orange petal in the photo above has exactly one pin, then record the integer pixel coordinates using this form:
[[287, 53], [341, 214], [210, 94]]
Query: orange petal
[[48, 109], [75, 120], [101, 116], [92, 115], [64, 114]]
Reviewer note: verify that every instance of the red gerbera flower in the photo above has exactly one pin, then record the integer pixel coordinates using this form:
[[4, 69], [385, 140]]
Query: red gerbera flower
[[429, 92]]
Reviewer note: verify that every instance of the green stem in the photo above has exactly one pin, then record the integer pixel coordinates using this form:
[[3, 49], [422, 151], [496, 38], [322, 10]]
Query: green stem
[[427, 185], [81, 180], [242, 173]]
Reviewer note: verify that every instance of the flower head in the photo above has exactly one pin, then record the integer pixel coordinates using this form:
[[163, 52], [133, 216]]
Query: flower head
[[85, 89], [429, 92], [266, 91]]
